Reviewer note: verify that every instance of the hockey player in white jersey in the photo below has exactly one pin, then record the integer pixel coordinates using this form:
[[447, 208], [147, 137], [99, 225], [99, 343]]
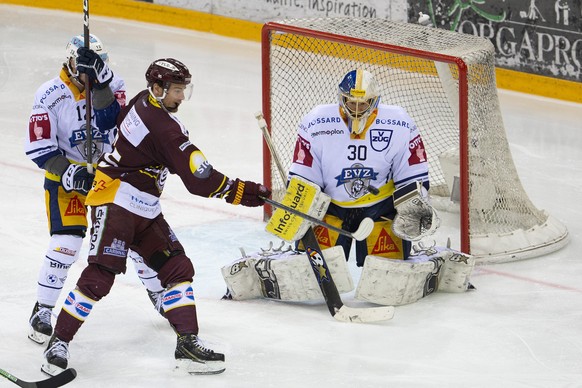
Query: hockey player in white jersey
[[57, 143], [370, 159]]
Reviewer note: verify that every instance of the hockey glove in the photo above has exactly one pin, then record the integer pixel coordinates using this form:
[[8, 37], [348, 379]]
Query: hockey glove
[[247, 193], [90, 63], [77, 178], [415, 218]]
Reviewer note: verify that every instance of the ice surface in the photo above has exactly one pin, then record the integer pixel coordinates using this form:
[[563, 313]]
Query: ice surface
[[521, 328]]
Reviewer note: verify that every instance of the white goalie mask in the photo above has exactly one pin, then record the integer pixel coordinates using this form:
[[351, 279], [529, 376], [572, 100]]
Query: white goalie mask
[[78, 41], [358, 98]]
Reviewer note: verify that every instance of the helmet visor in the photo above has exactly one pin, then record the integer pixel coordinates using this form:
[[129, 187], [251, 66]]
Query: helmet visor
[[179, 91], [356, 108]]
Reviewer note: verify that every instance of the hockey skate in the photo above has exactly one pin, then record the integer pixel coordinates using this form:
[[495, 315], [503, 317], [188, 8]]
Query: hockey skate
[[156, 299], [40, 323], [195, 359], [56, 357]]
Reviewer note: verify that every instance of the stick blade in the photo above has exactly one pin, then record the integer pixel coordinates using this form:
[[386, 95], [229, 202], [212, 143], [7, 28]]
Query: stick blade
[[364, 229], [364, 315], [59, 380]]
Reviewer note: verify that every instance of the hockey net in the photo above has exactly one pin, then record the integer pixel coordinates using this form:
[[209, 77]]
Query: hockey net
[[446, 82]]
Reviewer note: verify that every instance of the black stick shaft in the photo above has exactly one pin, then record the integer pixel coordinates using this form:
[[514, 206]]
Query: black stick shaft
[[88, 125]]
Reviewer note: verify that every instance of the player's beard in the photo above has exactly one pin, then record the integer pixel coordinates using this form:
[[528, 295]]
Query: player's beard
[[173, 109]]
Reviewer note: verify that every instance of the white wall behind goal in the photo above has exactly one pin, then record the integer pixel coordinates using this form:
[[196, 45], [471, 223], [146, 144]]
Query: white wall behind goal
[[261, 11]]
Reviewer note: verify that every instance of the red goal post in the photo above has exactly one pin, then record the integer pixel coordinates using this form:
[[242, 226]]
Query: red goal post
[[446, 82]]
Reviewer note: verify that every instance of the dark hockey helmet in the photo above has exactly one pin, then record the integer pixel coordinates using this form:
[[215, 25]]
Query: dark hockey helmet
[[167, 70]]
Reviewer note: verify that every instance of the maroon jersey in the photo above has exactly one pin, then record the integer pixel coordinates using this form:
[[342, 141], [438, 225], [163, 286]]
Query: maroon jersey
[[151, 142]]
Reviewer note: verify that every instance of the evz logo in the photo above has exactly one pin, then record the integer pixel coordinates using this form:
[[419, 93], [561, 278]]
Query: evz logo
[[356, 179]]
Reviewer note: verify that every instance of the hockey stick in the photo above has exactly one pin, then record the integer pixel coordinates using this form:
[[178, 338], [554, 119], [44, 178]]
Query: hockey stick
[[364, 229], [59, 380], [88, 125], [321, 271], [329, 290]]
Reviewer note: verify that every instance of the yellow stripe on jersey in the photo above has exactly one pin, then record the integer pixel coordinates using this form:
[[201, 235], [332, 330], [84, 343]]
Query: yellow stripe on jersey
[[103, 191], [369, 199]]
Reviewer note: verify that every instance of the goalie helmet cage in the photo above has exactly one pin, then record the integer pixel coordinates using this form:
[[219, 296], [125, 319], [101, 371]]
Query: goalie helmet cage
[[446, 82]]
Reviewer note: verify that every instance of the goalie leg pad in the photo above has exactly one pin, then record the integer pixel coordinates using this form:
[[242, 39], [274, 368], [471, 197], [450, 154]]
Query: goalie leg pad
[[456, 271], [242, 279], [286, 277], [393, 282]]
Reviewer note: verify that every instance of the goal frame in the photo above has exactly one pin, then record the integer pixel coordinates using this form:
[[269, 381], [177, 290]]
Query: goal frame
[[449, 59]]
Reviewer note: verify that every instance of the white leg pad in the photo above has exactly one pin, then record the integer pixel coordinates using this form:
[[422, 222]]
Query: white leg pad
[[242, 279], [394, 282], [287, 276], [455, 272]]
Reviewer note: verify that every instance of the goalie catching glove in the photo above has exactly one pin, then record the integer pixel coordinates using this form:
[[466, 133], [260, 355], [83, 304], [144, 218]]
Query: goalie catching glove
[[247, 193], [77, 178], [415, 218], [90, 63]]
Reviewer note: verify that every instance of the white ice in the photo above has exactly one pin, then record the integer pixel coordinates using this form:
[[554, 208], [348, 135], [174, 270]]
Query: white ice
[[521, 328]]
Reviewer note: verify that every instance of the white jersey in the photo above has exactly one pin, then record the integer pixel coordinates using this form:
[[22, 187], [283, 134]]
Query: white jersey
[[57, 122], [388, 154]]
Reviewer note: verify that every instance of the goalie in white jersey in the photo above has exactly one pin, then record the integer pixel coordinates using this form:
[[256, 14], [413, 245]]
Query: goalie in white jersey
[[365, 156], [57, 143]]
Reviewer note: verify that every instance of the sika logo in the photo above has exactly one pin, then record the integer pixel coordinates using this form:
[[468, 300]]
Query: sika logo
[[75, 207]]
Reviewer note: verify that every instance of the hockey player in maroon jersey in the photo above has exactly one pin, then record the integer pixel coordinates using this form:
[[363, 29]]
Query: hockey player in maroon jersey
[[126, 214], [57, 143]]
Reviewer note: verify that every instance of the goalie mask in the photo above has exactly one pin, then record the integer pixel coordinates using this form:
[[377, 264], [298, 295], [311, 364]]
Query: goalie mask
[[358, 98], [75, 43], [167, 71]]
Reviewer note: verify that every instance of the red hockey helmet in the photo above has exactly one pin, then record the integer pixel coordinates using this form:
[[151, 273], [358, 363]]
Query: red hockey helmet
[[168, 70]]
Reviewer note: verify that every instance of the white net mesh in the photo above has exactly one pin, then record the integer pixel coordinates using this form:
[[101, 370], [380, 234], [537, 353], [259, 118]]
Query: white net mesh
[[418, 68]]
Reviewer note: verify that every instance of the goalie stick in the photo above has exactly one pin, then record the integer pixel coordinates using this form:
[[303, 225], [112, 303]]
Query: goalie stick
[[364, 229], [58, 380], [321, 271], [330, 293]]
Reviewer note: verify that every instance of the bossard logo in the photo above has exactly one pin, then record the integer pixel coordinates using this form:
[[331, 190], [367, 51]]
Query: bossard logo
[[380, 139]]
